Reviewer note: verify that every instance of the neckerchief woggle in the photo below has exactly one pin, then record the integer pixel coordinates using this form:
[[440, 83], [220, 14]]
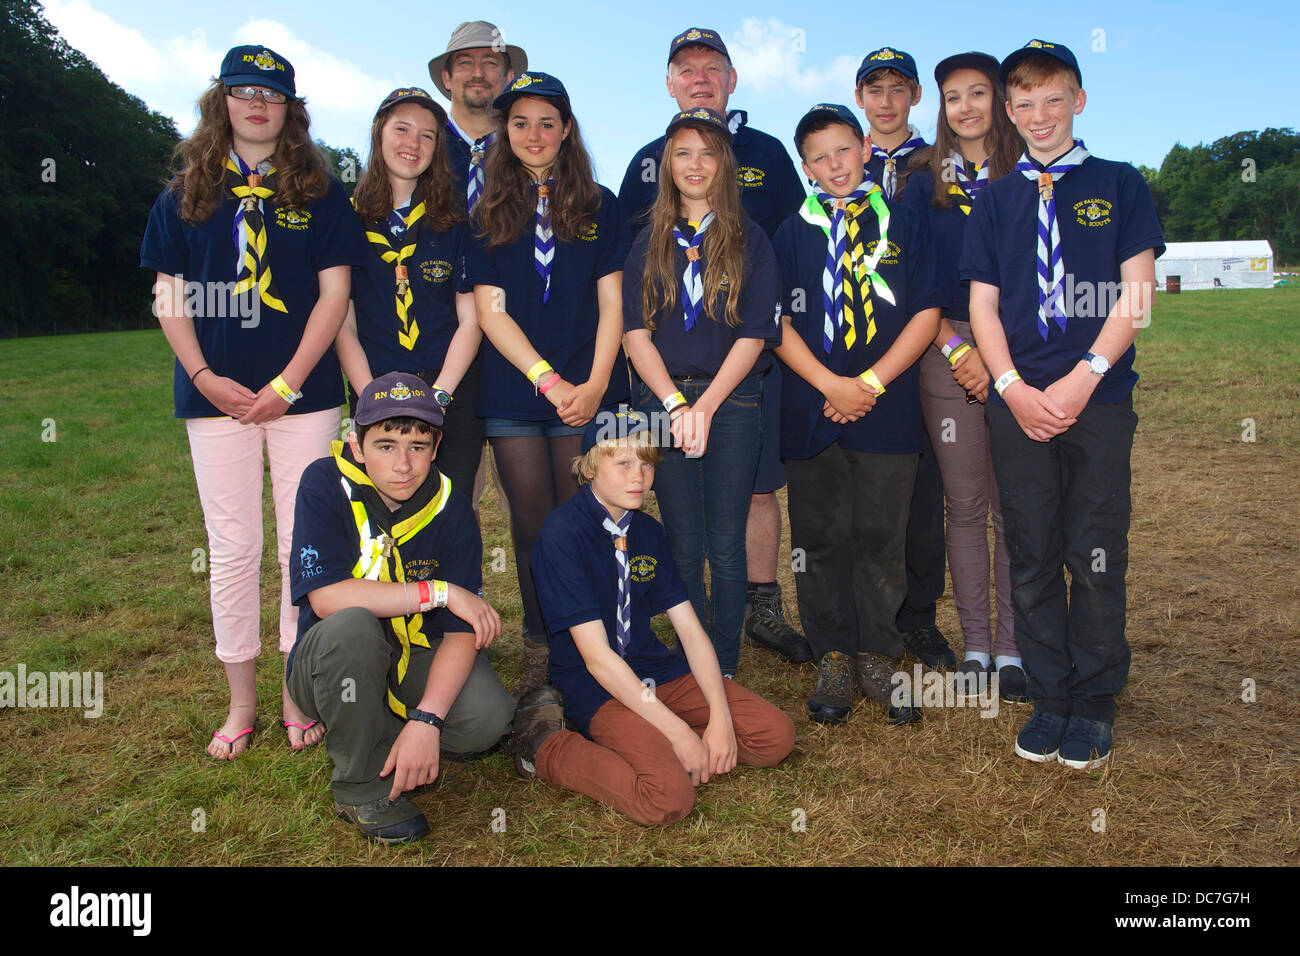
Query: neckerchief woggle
[[248, 231], [835, 297], [477, 149], [889, 180], [409, 331], [692, 277], [380, 533], [1051, 265], [966, 188]]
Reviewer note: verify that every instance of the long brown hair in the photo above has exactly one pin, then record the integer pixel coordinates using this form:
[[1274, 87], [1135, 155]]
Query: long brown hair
[[723, 248], [200, 161], [373, 196], [1002, 143], [507, 206]]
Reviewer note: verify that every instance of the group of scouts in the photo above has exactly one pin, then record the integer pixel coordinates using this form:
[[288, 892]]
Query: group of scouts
[[900, 345]]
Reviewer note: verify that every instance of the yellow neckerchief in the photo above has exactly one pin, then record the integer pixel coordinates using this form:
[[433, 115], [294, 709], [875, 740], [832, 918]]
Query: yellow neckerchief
[[855, 258], [254, 272], [409, 331], [378, 556]]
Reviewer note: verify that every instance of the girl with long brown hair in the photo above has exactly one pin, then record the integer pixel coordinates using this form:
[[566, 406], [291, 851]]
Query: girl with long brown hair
[[410, 310], [975, 144], [253, 243], [700, 309], [546, 267]]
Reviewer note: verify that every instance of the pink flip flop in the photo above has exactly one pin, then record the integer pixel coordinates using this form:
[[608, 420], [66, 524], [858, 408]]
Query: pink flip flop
[[230, 741], [286, 724]]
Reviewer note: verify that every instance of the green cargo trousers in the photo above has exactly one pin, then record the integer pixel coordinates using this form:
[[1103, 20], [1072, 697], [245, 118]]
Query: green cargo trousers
[[342, 670]]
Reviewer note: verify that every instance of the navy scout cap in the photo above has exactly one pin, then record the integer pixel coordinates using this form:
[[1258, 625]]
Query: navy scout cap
[[614, 425], [886, 58], [988, 65], [397, 395], [824, 114], [1054, 50], [258, 66], [700, 116], [412, 94], [697, 36], [533, 83]]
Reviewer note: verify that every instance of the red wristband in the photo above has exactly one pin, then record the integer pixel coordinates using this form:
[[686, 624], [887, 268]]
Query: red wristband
[[541, 389], [426, 598]]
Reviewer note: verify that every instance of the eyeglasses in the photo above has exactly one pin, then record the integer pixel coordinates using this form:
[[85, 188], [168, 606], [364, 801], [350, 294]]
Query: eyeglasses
[[248, 92]]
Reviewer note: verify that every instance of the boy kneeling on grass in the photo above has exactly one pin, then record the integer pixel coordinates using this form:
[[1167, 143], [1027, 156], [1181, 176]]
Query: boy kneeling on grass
[[386, 565], [653, 725]]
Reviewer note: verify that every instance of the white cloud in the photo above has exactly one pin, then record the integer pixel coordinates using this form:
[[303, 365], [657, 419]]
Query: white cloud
[[327, 81], [122, 53], [769, 55]]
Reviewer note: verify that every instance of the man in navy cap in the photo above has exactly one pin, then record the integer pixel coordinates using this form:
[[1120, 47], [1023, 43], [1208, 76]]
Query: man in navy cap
[[386, 567], [700, 74]]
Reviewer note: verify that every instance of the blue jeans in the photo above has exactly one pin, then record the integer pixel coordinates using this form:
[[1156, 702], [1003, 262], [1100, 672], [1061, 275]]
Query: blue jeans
[[704, 503]]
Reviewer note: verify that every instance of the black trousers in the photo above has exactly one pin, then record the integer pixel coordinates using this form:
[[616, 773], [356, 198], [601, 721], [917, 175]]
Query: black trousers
[[848, 522], [926, 553], [1066, 505]]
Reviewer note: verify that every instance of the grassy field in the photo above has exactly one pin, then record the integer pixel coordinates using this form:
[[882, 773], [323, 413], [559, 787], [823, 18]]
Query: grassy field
[[98, 535]]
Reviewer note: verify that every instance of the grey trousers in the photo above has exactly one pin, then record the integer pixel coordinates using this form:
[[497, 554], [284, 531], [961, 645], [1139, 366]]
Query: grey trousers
[[341, 673]]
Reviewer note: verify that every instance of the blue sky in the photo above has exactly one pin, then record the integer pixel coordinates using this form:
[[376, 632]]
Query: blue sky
[[1155, 74]]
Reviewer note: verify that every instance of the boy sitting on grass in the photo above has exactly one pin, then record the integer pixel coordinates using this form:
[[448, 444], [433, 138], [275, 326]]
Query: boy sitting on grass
[[653, 726]]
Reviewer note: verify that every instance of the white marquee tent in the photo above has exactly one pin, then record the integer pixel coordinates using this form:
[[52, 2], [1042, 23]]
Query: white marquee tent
[[1234, 263]]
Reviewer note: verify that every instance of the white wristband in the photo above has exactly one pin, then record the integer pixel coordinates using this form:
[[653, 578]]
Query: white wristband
[[1005, 379]]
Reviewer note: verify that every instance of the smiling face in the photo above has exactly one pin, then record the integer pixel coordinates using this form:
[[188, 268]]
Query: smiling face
[[476, 77], [694, 167], [408, 141], [398, 463], [255, 125], [834, 157], [968, 104], [622, 479], [886, 99], [1044, 116], [536, 132], [699, 76]]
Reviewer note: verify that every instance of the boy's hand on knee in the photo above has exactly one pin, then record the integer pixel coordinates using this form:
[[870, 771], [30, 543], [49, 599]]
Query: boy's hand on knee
[[414, 757], [476, 612], [693, 755], [720, 738]]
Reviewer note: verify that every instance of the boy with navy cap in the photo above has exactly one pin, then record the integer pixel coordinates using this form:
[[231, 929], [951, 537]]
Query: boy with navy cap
[[887, 87], [700, 74], [386, 567], [651, 726], [1061, 422], [859, 306]]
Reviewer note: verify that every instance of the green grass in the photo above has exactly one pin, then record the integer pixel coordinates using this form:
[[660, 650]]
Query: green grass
[[97, 535]]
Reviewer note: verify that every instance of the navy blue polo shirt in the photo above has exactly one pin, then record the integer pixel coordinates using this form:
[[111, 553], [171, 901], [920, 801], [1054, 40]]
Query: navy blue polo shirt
[[327, 545], [947, 229], [770, 189], [436, 273], [577, 581], [893, 426], [703, 349], [1105, 216], [253, 350], [563, 329]]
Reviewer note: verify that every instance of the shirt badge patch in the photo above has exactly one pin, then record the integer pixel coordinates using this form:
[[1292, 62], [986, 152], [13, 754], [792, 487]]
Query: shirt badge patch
[[642, 568], [892, 252], [436, 270], [296, 219], [749, 177], [1092, 212]]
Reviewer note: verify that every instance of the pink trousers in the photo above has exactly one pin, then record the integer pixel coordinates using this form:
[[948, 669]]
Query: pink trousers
[[228, 470]]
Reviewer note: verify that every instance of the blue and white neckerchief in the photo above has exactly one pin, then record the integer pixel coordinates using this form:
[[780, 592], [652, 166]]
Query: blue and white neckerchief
[[1051, 266], [543, 237], [397, 219], [237, 233], [477, 148], [889, 181], [837, 256], [970, 186], [692, 277], [623, 617], [736, 119]]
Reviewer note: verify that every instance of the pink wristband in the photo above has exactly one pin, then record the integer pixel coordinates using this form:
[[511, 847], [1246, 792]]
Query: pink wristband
[[541, 389]]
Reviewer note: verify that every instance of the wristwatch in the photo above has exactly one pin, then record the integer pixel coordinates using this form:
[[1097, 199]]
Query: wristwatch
[[1097, 364], [424, 716], [442, 397]]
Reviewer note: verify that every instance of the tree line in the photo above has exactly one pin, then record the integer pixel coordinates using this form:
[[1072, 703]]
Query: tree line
[[82, 160]]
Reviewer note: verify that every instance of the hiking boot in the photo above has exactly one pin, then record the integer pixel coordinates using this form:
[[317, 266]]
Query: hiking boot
[[1040, 738], [971, 680], [766, 626], [832, 698], [929, 646], [540, 713], [876, 682], [382, 821], [536, 670], [1013, 685], [1086, 745]]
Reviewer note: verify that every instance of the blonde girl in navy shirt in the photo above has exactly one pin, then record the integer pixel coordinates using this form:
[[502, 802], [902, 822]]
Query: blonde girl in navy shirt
[[546, 266], [410, 311], [975, 144], [253, 242], [700, 307]]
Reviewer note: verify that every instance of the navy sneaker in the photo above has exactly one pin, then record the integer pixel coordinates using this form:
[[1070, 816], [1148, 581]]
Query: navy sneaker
[[1013, 685], [1086, 745], [971, 680], [929, 646], [1040, 739]]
